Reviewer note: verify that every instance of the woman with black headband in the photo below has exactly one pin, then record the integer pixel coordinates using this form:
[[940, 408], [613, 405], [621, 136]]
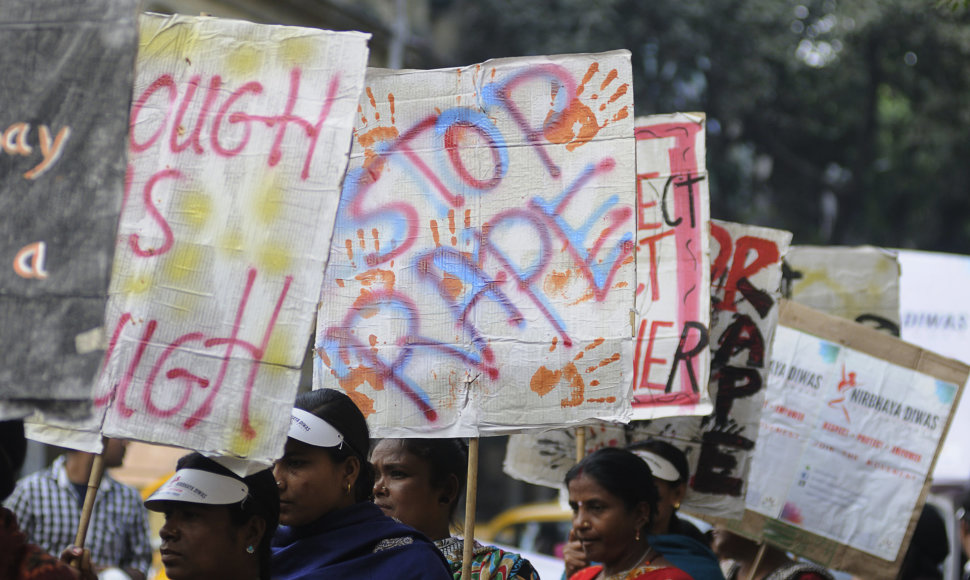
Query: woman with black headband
[[218, 524], [330, 528]]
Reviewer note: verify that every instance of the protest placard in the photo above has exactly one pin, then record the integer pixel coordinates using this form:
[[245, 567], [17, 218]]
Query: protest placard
[[239, 140], [936, 316], [858, 283], [745, 286], [672, 359], [64, 97], [482, 271], [851, 428]]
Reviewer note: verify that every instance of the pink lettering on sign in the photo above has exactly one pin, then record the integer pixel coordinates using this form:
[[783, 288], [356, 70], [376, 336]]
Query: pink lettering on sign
[[671, 235], [194, 382], [469, 209]]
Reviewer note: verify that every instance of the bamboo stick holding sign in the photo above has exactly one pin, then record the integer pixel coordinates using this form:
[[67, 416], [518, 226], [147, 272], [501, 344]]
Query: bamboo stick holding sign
[[852, 426], [471, 502], [94, 482], [580, 443]]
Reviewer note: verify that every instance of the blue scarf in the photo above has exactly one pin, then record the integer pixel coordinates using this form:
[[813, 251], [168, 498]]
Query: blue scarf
[[687, 554], [358, 542]]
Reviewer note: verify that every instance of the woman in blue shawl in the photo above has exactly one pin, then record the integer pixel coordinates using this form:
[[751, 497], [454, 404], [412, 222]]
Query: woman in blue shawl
[[330, 528], [419, 482]]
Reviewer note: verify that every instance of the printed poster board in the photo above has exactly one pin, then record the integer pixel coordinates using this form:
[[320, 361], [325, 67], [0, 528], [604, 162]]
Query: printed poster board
[[238, 144], [64, 97], [851, 428], [482, 271], [745, 289]]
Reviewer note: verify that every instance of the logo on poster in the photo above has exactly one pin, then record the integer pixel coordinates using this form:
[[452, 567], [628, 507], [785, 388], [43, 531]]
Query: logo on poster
[[848, 382]]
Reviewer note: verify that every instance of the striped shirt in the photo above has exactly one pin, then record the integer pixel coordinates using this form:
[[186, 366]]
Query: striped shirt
[[47, 509]]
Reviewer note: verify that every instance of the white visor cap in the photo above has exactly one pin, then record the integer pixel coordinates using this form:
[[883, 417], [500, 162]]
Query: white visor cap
[[308, 428], [660, 467], [198, 486]]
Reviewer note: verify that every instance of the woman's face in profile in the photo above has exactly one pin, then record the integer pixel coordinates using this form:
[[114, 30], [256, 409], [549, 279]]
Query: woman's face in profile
[[311, 485], [199, 541], [602, 521], [403, 490]]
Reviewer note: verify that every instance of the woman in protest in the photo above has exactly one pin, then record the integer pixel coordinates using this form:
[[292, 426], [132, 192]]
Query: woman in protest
[[677, 539], [419, 482], [330, 528], [614, 503], [217, 524]]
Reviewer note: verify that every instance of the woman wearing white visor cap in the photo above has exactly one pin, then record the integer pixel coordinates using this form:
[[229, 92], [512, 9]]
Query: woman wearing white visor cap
[[677, 539], [330, 528], [217, 523]]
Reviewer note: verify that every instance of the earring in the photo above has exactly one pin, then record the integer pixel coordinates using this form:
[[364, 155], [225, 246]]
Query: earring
[[279, 484], [349, 485], [677, 506], [637, 536], [250, 549]]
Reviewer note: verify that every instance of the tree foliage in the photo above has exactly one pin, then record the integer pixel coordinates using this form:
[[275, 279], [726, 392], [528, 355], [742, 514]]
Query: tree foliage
[[845, 123]]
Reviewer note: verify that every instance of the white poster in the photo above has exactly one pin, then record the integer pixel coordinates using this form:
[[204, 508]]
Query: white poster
[[935, 315], [482, 271], [672, 359], [238, 143], [847, 442]]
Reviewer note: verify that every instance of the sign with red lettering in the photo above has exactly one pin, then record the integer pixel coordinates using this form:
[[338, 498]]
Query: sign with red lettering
[[671, 359], [746, 275], [64, 96], [482, 274], [238, 142], [852, 424]]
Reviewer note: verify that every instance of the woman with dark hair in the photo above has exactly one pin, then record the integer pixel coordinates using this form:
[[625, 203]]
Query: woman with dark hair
[[330, 527], [614, 503], [419, 482], [218, 524], [677, 539]]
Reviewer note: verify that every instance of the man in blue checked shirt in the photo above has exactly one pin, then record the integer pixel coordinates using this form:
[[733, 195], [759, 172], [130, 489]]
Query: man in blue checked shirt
[[48, 506]]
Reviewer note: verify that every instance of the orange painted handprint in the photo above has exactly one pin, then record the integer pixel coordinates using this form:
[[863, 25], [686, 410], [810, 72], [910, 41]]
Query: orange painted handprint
[[580, 121], [378, 128]]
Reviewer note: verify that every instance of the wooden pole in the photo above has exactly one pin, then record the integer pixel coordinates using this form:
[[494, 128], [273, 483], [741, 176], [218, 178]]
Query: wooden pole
[[757, 559], [471, 495], [580, 443], [94, 482]]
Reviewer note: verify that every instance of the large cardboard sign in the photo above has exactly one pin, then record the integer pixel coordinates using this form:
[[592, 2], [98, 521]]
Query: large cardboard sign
[[745, 288], [851, 429], [671, 362], [482, 272], [64, 96], [239, 139]]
